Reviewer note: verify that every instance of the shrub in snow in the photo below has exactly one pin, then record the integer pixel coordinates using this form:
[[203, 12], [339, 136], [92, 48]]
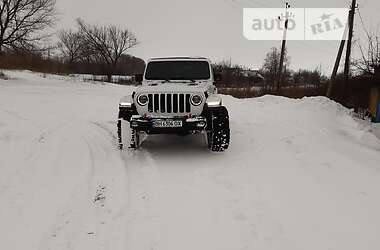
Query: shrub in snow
[[3, 76]]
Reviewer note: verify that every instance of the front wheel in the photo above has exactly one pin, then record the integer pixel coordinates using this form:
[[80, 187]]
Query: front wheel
[[218, 129], [135, 139], [127, 136]]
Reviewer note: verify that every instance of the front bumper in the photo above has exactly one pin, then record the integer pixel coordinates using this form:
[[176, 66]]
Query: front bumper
[[192, 125]]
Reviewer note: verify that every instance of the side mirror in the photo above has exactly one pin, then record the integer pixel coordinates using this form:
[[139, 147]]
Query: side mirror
[[139, 78], [217, 77]]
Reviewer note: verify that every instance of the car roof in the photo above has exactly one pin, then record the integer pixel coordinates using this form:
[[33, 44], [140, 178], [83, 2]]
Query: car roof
[[183, 58]]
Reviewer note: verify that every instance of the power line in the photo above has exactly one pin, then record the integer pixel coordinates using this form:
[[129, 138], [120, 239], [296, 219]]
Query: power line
[[362, 22]]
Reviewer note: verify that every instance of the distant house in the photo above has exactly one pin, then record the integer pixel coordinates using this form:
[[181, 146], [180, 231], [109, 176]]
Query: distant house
[[253, 75]]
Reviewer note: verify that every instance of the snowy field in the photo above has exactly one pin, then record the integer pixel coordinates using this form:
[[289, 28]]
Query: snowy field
[[88, 77], [300, 175]]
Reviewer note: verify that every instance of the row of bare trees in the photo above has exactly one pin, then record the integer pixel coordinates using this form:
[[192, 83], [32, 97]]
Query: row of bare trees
[[96, 44], [369, 62], [22, 23], [263, 80]]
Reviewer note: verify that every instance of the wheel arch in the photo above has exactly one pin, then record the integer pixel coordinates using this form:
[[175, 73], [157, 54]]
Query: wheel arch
[[214, 101]]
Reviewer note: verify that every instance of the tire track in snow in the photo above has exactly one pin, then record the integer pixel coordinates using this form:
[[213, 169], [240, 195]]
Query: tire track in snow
[[110, 132], [14, 114], [94, 216], [180, 202], [144, 192]]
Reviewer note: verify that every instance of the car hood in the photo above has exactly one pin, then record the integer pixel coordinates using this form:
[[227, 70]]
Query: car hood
[[177, 87]]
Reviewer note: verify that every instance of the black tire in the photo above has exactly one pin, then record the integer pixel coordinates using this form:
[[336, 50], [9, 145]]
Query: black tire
[[125, 116], [135, 139], [218, 129], [119, 137]]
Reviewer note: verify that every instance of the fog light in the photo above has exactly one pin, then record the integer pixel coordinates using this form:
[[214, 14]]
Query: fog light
[[125, 105]]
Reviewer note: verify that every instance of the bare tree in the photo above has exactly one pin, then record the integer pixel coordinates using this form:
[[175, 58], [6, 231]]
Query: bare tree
[[271, 66], [109, 42], [22, 20], [308, 78], [369, 63], [71, 45]]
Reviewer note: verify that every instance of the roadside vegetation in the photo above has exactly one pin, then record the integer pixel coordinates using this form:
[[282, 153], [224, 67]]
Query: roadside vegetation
[[243, 82]]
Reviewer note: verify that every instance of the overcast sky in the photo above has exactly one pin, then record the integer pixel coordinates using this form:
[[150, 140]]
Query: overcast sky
[[211, 28]]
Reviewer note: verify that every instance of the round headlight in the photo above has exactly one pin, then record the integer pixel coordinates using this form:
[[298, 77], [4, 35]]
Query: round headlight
[[196, 100], [142, 100]]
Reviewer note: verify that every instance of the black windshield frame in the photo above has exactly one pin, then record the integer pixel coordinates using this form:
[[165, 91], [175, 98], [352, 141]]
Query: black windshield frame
[[178, 70]]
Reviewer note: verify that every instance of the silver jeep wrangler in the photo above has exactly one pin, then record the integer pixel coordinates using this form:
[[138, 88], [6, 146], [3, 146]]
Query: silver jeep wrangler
[[177, 96]]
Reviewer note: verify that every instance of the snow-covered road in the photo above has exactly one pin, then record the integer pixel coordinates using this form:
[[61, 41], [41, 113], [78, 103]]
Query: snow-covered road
[[300, 174]]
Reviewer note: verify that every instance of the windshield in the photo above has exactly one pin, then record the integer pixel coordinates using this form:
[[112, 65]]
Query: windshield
[[178, 70]]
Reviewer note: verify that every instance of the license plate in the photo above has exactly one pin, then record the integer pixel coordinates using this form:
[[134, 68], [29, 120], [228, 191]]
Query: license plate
[[167, 124]]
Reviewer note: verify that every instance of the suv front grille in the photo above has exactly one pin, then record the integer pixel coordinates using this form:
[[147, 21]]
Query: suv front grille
[[169, 103]]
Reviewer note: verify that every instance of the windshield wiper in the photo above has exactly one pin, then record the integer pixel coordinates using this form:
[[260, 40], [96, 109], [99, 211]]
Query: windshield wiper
[[178, 79], [184, 79]]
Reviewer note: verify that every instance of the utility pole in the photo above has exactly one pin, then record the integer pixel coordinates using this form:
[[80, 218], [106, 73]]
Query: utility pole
[[349, 41], [337, 62], [283, 47]]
